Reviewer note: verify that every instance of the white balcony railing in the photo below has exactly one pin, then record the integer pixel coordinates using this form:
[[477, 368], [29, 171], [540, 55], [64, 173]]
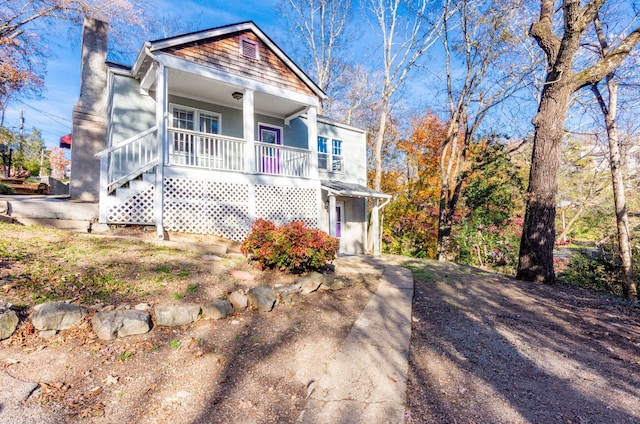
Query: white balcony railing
[[203, 150], [281, 160]]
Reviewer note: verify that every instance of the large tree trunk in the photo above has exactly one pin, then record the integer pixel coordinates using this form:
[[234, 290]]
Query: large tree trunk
[[538, 235]]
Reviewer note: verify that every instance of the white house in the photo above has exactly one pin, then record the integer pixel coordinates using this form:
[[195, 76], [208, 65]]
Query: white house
[[210, 130]]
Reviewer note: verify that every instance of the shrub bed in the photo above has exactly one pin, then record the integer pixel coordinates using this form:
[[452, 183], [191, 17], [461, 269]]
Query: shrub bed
[[291, 247]]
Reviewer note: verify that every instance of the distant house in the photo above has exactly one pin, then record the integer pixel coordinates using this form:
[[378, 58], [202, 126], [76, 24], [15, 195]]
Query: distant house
[[210, 130]]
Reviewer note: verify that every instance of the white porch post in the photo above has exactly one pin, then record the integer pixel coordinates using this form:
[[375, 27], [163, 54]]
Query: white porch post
[[332, 215], [312, 123], [249, 131], [376, 228], [104, 182], [161, 122]]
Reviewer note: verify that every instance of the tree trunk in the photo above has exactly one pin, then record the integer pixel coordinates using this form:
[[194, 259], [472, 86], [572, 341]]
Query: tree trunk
[[538, 235], [617, 178]]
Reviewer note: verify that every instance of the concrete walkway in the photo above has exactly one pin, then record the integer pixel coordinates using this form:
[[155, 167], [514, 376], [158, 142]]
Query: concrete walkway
[[366, 382]]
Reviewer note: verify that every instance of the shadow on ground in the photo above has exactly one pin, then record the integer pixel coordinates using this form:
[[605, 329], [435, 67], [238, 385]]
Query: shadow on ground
[[488, 348]]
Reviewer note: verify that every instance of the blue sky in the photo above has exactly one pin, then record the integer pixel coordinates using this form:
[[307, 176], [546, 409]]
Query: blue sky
[[51, 112]]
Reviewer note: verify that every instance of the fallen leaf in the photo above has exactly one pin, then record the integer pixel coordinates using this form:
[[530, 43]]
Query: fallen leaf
[[111, 379]]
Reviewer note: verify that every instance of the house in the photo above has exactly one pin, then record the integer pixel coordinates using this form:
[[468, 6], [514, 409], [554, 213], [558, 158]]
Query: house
[[210, 130]]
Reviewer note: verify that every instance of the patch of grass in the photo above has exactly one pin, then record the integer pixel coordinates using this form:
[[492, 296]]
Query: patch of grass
[[178, 296], [184, 274], [192, 288], [174, 344], [422, 273], [125, 356], [164, 269]]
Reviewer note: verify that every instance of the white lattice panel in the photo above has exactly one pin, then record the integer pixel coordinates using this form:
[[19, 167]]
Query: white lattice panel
[[207, 207], [137, 209], [282, 205]]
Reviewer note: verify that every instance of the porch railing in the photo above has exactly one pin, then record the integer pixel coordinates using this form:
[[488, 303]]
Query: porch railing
[[130, 158], [281, 160], [211, 151]]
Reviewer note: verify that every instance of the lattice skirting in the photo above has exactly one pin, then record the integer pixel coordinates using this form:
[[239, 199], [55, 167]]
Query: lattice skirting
[[281, 204], [207, 207], [137, 209], [219, 208]]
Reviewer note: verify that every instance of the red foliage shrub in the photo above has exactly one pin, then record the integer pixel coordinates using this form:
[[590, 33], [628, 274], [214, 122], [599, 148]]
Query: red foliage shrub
[[291, 247]]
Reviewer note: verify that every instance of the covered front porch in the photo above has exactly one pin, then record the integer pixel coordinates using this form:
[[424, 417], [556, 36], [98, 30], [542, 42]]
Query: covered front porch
[[242, 125]]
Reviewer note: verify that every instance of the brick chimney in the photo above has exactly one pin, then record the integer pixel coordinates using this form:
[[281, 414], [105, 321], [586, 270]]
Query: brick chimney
[[90, 113]]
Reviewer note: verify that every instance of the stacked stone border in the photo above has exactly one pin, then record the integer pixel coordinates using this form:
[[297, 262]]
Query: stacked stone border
[[108, 324]]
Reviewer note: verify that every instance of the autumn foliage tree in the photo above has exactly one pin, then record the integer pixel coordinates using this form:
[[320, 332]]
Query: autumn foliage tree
[[411, 219], [58, 162], [24, 23]]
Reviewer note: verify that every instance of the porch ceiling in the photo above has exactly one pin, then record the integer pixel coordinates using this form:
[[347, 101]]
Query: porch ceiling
[[209, 90]]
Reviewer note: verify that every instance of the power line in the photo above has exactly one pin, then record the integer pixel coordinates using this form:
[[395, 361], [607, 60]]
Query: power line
[[58, 119]]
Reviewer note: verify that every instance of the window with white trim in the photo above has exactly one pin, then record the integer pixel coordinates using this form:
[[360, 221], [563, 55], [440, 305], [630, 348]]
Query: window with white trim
[[189, 127], [249, 48], [330, 160]]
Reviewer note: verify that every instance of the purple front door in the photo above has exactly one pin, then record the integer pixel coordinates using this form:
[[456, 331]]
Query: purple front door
[[270, 160]]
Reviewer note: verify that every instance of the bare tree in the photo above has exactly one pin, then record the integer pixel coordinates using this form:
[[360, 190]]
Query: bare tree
[[406, 32], [609, 108], [564, 77], [322, 24], [483, 37]]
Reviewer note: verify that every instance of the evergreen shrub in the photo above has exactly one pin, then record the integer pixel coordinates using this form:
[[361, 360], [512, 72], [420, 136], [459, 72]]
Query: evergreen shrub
[[291, 247]]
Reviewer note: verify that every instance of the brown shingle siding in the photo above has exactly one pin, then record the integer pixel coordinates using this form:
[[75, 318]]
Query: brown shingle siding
[[224, 53]]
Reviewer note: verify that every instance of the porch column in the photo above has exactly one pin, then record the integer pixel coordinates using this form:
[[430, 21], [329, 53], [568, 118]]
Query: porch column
[[332, 215], [249, 132], [375, 221], [312, 123], [161, 122]]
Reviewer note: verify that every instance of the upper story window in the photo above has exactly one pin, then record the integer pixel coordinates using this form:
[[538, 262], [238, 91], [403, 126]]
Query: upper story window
[[330, 160], [249, 48]]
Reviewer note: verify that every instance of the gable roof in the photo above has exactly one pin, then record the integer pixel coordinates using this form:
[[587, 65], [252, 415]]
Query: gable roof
[[198, 36]]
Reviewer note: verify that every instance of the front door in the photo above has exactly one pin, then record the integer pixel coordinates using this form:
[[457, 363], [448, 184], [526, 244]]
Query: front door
[[270, 157]]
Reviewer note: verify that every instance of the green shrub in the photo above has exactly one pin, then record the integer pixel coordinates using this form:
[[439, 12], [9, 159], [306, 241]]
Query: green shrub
[[5, 189], [600, 270], [291, 247]]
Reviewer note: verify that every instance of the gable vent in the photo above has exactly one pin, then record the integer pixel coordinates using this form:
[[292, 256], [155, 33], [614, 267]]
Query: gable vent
[[249, 48]]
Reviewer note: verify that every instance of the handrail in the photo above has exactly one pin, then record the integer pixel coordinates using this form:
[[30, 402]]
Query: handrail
[[129, 140], [280, 146], [203, 134]]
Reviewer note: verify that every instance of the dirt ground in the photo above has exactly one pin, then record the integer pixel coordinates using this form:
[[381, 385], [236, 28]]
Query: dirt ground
[[489, 349], [484, 348], [253, 367]]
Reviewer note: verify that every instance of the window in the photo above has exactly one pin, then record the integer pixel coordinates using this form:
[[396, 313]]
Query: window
[[322, 153], [330, 161], [249, 48], [195, 120], [209, 123], [187, 144], [336, 151]]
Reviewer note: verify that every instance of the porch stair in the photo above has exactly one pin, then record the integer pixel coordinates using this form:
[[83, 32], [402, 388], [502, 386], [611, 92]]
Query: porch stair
[[131, 176], [132, 199], [134, 186]]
